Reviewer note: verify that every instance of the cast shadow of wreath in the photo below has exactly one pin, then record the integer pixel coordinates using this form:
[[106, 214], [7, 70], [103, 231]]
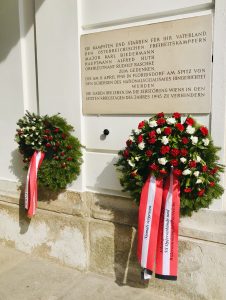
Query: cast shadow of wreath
[[44, 195], [126, 267]]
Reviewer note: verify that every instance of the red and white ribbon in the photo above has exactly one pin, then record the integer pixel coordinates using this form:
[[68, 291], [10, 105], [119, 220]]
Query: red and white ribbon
[[149, 212], [158, 227], [31, 194]]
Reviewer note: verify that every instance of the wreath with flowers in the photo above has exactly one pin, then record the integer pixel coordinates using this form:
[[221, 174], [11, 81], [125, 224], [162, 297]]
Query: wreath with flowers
[[51, 135], [165, 143]]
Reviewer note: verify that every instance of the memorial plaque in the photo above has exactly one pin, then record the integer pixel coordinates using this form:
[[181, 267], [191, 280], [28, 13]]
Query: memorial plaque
[[148, 69]]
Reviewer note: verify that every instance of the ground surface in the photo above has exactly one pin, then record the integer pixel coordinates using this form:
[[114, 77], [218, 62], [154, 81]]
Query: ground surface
[[25, 277]]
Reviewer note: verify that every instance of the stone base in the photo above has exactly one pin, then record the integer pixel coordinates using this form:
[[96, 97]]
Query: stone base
[[98, 233]]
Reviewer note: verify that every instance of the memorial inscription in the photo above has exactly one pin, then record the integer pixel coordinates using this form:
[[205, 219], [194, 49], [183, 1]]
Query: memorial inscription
[[146, 69]]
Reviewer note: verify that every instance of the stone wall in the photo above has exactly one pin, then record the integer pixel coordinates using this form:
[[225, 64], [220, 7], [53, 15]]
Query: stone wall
[[94, 232]]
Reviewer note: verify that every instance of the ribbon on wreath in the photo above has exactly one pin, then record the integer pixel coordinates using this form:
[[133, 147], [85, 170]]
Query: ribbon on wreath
[[31, 191], [158, 224]]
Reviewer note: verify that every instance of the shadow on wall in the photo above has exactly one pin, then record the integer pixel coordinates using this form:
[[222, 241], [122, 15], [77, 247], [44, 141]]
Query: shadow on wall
[[10, 26]]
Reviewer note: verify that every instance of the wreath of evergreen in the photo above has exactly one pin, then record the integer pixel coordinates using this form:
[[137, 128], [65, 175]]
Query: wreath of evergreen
[[162, 144], [51, 135]]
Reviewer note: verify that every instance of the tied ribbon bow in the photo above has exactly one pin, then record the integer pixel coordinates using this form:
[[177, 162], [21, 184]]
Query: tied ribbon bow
[[158, 224], [31, 193]]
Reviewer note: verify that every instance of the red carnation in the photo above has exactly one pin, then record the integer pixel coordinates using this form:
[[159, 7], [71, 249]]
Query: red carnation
[[50, 138], [126, 153], [212, 183], [176, 115], [160, 115], [201, 192], [56, 130], [140, 139], [167, 131], [205, 168], [174, 162], [129, 143], [153, 167], [163, 171], [149, 153], [190, 121], [141, 125], [69, 158], [204, 130], [164, 149], [152, 141], [48, 145], [175, 152], [152, 134], [184, 152], [214, 170], [187, 190], [192, 164], [47, 131], [177, 172], [185, 140], [161, 121], [180, 127]]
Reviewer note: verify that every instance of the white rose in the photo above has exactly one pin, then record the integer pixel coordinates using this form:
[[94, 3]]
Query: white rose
[[170, 121], [186, 172], [33, 128], [141, 145], [137, 131], [198, 181], [190, 129], [196, 173], [137, 158], [206, 142], [132, 164], [198, 158], [194, 140], [131, 138], [162, 161], [165, 140], [183, 160], [158, 130], [152, 123]]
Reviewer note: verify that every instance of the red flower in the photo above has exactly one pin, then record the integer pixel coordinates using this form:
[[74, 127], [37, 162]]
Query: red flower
[[187, 190], [152, 141], [177, 172], [62, 153], [201, 192], [48, 145], [140, 139], [165, 149], [185, 140], [204, 130], [63, 136], [161, 121], [47, 131], [190, 121], [163, 171], [56, 130], [212, 183], [175, 152], [167, 131], [149, 153], [50, 138], [176, 115], [192, 164], [129, 143], [160, 115], [174, 162], [214, 170], [141, 125], [184, 152], [69, 158], [69, 147], [205, 168], [152, 134], [126, 153], [56, 157], [180, 127], [57, 144], [133, 174], [153, 167]]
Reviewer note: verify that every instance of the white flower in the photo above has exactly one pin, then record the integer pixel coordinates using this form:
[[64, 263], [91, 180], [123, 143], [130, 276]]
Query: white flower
[[141, 145], [158, 130], [137, 158], [183, 160], [27, 128], [162, 161], [206, 141], [198, 158], [32, 143], [198, 181], [194, 140], [132, 164], [36, 133], [165, 140], [186, 172], [137, 131], [170, 121], [190, 129], [196, 173], [153, 123], [131, 138], [33, 128]]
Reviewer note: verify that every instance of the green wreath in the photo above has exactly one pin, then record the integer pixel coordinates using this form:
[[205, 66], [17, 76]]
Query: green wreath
[[51, 135], [162, 144]]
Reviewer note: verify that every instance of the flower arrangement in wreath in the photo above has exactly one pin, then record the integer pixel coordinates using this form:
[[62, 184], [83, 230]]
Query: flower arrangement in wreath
[[50, 152], [168, 166]]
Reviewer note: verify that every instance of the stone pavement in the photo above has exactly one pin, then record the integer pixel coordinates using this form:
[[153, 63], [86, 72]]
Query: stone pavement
[[25, 277]]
